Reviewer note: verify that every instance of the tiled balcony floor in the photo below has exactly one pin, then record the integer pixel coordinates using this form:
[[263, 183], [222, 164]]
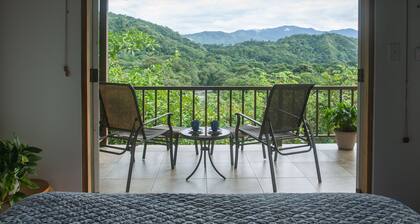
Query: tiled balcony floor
[[295, 173]]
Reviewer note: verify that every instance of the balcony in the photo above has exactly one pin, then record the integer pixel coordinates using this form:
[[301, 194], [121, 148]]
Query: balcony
[[295, 173]]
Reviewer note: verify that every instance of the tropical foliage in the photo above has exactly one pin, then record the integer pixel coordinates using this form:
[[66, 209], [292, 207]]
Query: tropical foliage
[[137, 45], [342, 117], [145, 54], [17, 161]]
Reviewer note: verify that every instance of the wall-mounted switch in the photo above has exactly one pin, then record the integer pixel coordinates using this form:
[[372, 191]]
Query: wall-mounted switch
[[394, 52], [417, 53]]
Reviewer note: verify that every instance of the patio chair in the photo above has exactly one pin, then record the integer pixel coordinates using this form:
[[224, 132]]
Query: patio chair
[[123, 120], [283, 120]]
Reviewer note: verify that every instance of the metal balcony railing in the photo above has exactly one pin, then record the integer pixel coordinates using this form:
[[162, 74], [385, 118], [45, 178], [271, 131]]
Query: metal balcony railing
[[207, 103]]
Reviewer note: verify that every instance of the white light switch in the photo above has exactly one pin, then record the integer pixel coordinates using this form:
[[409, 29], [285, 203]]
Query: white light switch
[[418, 54]]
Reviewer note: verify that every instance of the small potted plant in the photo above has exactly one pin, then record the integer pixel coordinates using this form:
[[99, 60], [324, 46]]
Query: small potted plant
[[17, 161], [342, 119]]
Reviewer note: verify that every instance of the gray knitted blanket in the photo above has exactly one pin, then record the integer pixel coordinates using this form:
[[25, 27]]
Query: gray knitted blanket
[[61, 207]]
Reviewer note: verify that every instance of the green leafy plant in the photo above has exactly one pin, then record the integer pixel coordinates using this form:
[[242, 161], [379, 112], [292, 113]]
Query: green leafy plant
[[17, 160], [342, 117]]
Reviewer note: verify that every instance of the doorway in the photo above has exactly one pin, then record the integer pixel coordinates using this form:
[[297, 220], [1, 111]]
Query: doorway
[[364, 147]]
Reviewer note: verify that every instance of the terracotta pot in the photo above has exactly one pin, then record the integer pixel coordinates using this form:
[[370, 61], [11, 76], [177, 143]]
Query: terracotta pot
[[4, 208], [345, 140], [44, 186]]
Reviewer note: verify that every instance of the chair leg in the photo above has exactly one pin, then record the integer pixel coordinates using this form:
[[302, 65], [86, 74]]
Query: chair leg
[[169, 144], [196, 147], [263, 150], [310, 137], [176, 149], [212, 148], [144, 150], [275, 156], [130, 169], [231, 150], [236, 150], [318, 172], [273, 175], [242, 144]]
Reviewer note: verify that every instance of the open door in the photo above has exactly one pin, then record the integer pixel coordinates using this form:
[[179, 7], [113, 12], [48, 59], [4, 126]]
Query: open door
[[90, 95], [95, 95], [365, 86]]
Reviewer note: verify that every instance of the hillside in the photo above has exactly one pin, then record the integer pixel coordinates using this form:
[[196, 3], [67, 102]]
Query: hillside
[[320, 49], [189, 63], [271, 34]]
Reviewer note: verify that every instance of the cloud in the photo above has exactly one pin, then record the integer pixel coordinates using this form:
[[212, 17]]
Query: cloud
[[190, 16]]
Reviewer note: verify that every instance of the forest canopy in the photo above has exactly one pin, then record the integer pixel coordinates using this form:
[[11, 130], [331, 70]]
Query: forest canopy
[[143, 53]]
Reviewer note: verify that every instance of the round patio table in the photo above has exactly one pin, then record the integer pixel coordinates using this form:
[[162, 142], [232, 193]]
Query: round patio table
[[206, 137]]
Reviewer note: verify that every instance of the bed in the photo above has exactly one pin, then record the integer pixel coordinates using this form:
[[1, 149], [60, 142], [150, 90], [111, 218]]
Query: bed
[[60, 207]]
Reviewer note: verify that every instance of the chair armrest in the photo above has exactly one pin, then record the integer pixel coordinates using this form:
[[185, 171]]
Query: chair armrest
[[158, 118], [239, 115]]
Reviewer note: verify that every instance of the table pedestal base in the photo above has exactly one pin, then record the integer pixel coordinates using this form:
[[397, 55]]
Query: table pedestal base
[[205, 146]]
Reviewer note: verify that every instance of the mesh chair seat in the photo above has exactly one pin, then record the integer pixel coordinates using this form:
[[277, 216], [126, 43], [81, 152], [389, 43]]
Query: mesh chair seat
[[240, 134], [175, 130], [254, 131], [150, 133]]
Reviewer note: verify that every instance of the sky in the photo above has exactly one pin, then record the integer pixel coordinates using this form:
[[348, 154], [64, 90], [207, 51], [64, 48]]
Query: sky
[[192, 16]]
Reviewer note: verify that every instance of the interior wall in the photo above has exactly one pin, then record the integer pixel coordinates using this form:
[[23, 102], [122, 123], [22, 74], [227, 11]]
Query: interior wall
[[38, 103], [396, 165]]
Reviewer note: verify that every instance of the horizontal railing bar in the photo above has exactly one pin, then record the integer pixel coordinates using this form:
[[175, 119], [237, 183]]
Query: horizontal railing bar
[[203, 88]]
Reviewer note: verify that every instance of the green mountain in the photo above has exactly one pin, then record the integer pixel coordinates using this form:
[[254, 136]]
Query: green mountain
[[306, 57], [270, 34]]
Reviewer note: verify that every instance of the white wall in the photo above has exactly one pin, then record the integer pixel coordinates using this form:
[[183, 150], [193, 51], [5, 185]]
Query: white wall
[[37, 102], [396, 166]]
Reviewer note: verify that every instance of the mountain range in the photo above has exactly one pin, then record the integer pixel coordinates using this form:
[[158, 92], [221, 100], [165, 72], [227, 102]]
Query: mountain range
[[270, 34], [303, 56]]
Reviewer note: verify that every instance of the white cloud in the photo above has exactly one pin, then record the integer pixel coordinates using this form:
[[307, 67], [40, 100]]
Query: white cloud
[[190, 16]]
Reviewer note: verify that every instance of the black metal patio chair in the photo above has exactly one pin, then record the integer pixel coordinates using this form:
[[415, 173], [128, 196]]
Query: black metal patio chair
[[124, 122], [283, 120]]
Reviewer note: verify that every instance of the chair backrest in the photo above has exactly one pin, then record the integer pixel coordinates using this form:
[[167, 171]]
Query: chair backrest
[[120, 106], [285, 107]]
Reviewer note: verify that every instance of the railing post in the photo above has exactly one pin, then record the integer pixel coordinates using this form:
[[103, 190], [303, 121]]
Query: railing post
[[255, 105], [143, 104], [317, 113], [243, 103], [193, 105], [155, 106], [205, 108], [167, 101], [180, 108], [230, 108], [218, 105], [329, 106]]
